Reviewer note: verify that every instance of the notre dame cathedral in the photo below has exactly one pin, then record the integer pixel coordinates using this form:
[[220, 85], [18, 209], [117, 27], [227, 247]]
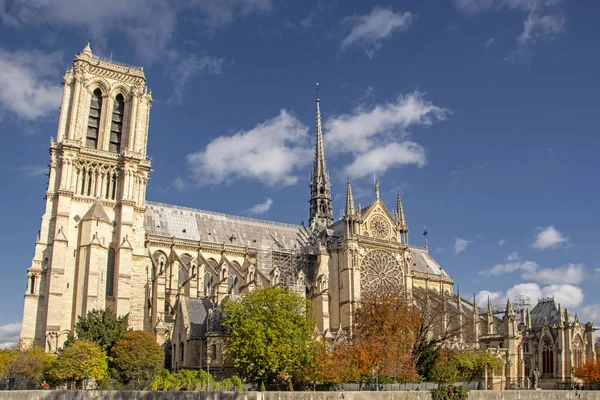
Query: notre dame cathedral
[[101, 244]]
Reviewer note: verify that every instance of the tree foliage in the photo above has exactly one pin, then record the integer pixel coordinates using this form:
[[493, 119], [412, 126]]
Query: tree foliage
[[451, 366], [32, 363], [384, 337], [136, 356], [5, 356], [589, 371], [102, 327], [270, 336], [81, 359]]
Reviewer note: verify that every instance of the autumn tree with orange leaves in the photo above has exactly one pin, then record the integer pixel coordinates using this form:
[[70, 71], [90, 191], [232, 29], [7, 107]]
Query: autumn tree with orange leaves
[[384, 335], [589, 371]]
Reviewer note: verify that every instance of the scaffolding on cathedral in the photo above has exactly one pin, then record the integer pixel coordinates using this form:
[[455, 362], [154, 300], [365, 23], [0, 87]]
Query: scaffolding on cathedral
[[519, 302], [272, 255]]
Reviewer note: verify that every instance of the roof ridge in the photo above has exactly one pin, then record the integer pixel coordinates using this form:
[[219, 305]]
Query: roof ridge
[[256, 220]]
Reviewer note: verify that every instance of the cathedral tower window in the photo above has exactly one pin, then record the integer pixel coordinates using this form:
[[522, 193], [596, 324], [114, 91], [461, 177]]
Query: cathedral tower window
[[91, 139], [110, 272], [116, 127]]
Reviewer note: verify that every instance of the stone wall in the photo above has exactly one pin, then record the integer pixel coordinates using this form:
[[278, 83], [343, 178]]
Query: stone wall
[[407, 395]]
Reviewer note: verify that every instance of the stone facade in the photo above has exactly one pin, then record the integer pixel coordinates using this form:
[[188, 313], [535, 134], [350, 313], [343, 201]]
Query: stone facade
[[101, 244]]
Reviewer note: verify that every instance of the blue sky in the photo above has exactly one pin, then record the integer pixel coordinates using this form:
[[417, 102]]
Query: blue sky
[[483, 112]]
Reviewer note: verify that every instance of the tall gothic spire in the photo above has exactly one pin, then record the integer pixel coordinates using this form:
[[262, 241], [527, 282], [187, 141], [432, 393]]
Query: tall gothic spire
[[349, 199], [320, 186]]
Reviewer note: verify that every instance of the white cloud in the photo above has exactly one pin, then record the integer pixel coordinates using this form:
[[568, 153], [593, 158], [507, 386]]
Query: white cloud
[[500, 269], [591, 312], [501, 242], [148, 25], [378, 136], [370, 30], [568, 296], [382, 158], [29, 85], [488, 43], [261, 208], [365, 127], [495, 297], [179, 184], [538, 27], [572, 273], [549, 238], [32, 170], [9, 334], [271, 153], [542, 22], [183, 68], [460, 245]]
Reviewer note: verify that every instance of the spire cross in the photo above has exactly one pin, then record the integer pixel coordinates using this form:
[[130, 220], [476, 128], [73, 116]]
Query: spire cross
[[317, 91]]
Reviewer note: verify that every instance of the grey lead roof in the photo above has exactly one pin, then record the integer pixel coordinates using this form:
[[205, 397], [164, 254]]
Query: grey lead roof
[[545, 310], [197, 314], [423, 262], [191, 224]]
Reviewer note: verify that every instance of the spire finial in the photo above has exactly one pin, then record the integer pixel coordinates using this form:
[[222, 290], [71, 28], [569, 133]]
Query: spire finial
[[349, 199], [320, 186], [425, 233], [87, 49], [318, 91], [376, 189], [400, 211]]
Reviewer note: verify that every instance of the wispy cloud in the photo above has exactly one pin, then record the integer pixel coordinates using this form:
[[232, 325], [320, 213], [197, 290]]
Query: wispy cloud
[[549, 238], [271, 152], [261, 208], [369, 31], [460, 245], [9, 334], [32, 170], [488, 43], [501, 242], [28, 81], [184, 68], [543, 21], [147, 25]]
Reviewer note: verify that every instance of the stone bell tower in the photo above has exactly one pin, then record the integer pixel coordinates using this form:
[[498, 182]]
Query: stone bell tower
[[89, 253]]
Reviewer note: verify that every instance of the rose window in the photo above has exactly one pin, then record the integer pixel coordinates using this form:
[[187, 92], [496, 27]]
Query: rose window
[[380, 273], [379, 227]]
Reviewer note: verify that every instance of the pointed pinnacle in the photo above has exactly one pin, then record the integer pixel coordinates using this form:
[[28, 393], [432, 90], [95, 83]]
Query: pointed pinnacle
[[349, 199]]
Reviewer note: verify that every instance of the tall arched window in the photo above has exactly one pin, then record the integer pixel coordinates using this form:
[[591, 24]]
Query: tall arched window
[[577, 352], [91, 139], [110, 272], [208, 279], [116, 126], [547, 356]]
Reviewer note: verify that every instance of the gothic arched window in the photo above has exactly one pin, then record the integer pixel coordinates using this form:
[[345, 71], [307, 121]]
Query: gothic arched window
[[116, 127], [91, 139], [208, 279], [577, 353], [110, 272], [547, 356], [233, 284]]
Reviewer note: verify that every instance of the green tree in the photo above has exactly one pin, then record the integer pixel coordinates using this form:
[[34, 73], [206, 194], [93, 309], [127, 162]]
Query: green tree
[[136, 357], [445, 369], [102, 327], [81, 359], [32, 363], [472, 364], [270, 335], [5, 356]]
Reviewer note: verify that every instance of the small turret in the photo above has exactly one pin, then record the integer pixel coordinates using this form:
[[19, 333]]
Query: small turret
[[401, 221], [349, 200], [490, 317]]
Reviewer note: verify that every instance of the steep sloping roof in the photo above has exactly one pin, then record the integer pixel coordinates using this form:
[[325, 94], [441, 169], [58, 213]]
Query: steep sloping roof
[[191, 224], [197, 315], [423, 262], [545, 310]]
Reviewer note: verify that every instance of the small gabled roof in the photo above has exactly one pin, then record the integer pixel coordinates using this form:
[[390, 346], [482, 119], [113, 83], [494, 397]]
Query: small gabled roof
[[96, 212]]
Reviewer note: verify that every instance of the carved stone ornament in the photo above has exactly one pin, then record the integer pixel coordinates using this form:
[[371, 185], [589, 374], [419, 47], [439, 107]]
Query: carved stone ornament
[[379, 227], [381, 273]]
